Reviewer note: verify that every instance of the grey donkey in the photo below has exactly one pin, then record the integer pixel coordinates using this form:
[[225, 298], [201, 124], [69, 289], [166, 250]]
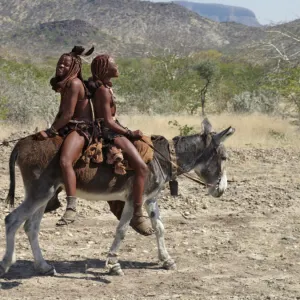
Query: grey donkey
[[39, 165]]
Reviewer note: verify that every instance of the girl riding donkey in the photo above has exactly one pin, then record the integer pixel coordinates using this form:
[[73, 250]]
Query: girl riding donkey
[[74, 122], [103, 69]]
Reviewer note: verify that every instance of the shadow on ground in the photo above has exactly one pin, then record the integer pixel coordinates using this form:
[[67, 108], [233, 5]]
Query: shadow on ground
[[24, 269]]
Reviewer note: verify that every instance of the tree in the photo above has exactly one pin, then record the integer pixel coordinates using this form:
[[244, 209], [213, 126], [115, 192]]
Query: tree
[[284, 46], [286, 82], [207, 70]]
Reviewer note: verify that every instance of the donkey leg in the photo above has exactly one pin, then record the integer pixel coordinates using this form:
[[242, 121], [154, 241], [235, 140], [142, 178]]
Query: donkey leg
[[15, 219], [163, 255], [12, 223], [112, 257], [32, 229]]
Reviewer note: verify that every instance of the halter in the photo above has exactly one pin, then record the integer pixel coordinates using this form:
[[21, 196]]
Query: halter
[[174, 165]]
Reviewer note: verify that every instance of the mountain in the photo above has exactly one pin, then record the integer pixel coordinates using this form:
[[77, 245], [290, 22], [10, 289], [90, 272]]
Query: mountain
[[222, 13], [139, 26], [53, 38], [127, 28]]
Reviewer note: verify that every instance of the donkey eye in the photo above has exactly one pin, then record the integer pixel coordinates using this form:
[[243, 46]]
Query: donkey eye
[[223, 157]]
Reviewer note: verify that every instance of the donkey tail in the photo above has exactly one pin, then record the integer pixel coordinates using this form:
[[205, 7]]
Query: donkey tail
[[10, 199]]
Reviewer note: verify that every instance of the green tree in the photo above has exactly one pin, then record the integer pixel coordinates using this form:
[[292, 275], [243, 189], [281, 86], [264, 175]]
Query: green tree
[[287, 82], [207, 70]]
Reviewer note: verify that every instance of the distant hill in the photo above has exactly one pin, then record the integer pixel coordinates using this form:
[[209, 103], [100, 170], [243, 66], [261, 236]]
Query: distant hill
[[138, 27], [222, 13], [55, 37], [127, 28]]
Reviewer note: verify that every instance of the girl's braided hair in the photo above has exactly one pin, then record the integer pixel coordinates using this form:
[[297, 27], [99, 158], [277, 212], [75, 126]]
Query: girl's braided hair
[[59, 85], [99, 69]]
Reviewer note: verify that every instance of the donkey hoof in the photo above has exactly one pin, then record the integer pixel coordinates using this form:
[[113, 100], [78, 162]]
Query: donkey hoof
[[116, 270], [50, 272], [169, 264], [2, 271]]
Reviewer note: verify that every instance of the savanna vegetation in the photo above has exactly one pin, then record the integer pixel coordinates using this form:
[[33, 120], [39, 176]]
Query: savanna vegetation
[[206, 82]]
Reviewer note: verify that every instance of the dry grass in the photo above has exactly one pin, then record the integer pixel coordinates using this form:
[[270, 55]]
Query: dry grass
[[6, 130], [258, 131], [251, 130]]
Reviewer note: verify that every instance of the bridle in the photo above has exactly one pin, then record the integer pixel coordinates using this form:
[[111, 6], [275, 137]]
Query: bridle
[[173, 161]]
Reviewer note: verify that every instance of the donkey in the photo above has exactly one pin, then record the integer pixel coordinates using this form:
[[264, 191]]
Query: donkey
[[39, 165]]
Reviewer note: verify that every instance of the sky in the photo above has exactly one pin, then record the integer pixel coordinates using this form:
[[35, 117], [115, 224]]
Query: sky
[[266, 11]]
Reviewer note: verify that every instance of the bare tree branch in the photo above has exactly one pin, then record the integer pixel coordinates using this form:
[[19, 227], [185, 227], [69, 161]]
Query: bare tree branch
[[283, 56], [284, 34]]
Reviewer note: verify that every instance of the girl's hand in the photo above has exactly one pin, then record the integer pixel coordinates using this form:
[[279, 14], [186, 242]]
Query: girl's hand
[[42, 135], [134, 135], [137, 134]]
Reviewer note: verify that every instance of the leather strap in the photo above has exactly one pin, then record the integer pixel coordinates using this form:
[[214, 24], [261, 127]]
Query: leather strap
[[173, 159], [175, 164]]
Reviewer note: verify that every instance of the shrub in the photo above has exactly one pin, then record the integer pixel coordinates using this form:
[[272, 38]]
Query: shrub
[[3, 107], [263, 102], [183, 129]]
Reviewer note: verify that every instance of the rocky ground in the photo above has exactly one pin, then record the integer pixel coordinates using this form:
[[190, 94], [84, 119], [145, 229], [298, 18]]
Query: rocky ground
[[244, 245]]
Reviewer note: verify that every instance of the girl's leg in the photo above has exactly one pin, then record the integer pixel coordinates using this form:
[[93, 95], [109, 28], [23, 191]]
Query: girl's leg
[[140, 169], [70, 152]]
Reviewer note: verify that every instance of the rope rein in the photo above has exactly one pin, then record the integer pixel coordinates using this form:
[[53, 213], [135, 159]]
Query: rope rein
[[176, 166]]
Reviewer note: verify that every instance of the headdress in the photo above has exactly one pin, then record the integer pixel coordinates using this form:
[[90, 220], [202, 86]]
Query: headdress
[[75, 69]]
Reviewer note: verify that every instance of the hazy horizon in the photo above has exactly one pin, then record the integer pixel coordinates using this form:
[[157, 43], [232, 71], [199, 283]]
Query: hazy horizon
[[266, 11]]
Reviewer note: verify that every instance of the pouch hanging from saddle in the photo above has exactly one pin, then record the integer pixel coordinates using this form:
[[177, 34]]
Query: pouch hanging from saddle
[[93, 153], [173, 184], [115, 158]]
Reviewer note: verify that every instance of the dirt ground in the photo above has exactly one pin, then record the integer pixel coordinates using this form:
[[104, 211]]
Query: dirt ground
[[244, 245]]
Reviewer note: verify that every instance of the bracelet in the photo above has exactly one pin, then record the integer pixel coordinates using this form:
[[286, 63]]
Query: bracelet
[[129, 134], [51, 132]]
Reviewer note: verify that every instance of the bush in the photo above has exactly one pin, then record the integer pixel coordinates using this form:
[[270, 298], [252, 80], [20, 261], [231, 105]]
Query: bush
[[25, 93], [263, 102], [183, 129], [3, 108]]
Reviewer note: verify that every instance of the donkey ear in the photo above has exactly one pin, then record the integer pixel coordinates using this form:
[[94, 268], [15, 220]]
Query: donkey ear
[[223, 135], [206, 126]]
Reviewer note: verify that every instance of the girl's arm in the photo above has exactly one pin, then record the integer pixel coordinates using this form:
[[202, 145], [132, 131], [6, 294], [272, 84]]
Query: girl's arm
[[68, 104]]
